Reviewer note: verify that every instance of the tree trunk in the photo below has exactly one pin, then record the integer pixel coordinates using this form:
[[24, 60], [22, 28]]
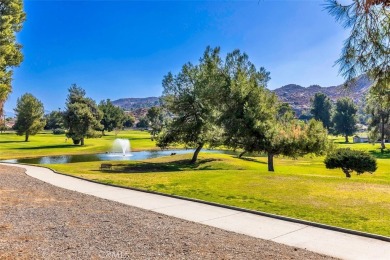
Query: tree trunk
[[347, 172], [383, 147], [195, 156], [103, 133], [346, 139], [270, 162], [82, 141], [26, 138], [241, 154]]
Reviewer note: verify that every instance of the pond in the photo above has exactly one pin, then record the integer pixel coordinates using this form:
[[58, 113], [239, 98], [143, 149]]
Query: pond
[[105, 157]]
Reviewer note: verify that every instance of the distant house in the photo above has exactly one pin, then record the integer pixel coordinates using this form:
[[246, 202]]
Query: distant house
[[360, 139]]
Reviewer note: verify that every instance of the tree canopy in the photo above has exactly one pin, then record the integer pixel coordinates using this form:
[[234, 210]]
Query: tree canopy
[[321, 109], [188, 96], [227, 102], [351, 160], [344, 119], [29, 116], [367, 49], [54, 120], [128, 120], [155, 117], [113, 116], [82, 116], [254, 120], [11, 21], [378, 107]]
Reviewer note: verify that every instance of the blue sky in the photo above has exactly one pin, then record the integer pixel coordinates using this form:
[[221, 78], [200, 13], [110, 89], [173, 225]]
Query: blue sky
[[117, 49]]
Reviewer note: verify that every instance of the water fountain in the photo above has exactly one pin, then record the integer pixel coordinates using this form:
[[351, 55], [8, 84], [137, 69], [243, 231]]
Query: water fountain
[[121, 146]]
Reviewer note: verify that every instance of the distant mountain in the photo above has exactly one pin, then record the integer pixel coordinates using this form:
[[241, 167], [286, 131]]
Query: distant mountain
[[297, 96], [300, 97], [132, 104]]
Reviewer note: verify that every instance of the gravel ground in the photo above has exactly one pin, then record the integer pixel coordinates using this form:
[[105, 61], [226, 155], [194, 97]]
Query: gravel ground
[[40, 221]]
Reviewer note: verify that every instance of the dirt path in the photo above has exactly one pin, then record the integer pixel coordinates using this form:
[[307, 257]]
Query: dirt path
[[40, 221]]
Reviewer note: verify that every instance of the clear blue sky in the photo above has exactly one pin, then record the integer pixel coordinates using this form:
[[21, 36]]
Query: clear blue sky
[[117, 49]]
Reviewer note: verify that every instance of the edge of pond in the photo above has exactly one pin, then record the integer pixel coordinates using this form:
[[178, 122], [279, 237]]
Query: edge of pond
[[261, 213]]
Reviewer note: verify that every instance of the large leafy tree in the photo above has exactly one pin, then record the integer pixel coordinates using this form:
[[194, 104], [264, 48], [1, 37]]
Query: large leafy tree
[[254, 121], [344, 118], [321, 109], [113, 116], [29, 116], [188, 97], [82, 116], [246, 106], [378, 107], [11, 20]]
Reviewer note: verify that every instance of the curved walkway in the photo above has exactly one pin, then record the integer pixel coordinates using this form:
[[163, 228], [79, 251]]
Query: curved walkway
[[332, 243]]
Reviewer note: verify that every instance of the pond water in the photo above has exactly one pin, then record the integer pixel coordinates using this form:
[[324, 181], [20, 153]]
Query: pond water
[[105, 157]]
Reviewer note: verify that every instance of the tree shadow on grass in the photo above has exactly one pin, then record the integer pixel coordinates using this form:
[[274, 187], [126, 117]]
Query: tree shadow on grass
[[48, 147], [251, 160], [10, 142], [377, 154], [173, 166]]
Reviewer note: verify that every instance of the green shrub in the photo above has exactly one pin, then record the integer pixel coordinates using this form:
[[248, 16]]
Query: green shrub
[[351, 160]]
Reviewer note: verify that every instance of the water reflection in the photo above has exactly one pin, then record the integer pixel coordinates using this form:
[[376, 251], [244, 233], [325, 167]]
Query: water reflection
[[105, 157]]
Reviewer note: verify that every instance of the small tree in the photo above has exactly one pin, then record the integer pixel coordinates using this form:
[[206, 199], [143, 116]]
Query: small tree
[[321, 109], [351, 160], [128, 120], [29, 116], [344, 119], [113, 116], [54, 120], [142, 123], [82, 116], [155, 119], [378, 107], [295, 139]]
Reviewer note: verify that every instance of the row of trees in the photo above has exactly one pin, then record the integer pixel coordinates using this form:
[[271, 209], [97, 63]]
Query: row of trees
[[226, 102], [341, 119], [82, 117], [338, 119]]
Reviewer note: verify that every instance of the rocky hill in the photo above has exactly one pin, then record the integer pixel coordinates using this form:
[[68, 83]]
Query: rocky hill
[[297, 96], [300, 97], [132, 104]]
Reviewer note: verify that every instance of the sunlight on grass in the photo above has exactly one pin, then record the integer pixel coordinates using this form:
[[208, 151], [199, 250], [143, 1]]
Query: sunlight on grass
[[301, 188], [298, 188]]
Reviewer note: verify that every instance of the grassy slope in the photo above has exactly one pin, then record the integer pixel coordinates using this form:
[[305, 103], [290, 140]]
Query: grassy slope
[[13, 146]]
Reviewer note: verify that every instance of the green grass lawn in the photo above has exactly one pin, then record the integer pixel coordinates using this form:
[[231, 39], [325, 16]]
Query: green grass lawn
[[301, 188], [45, 143], [298, 188]]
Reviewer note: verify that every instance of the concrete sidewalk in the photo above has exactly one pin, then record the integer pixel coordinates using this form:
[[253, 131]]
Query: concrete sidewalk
[[332, 243]]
